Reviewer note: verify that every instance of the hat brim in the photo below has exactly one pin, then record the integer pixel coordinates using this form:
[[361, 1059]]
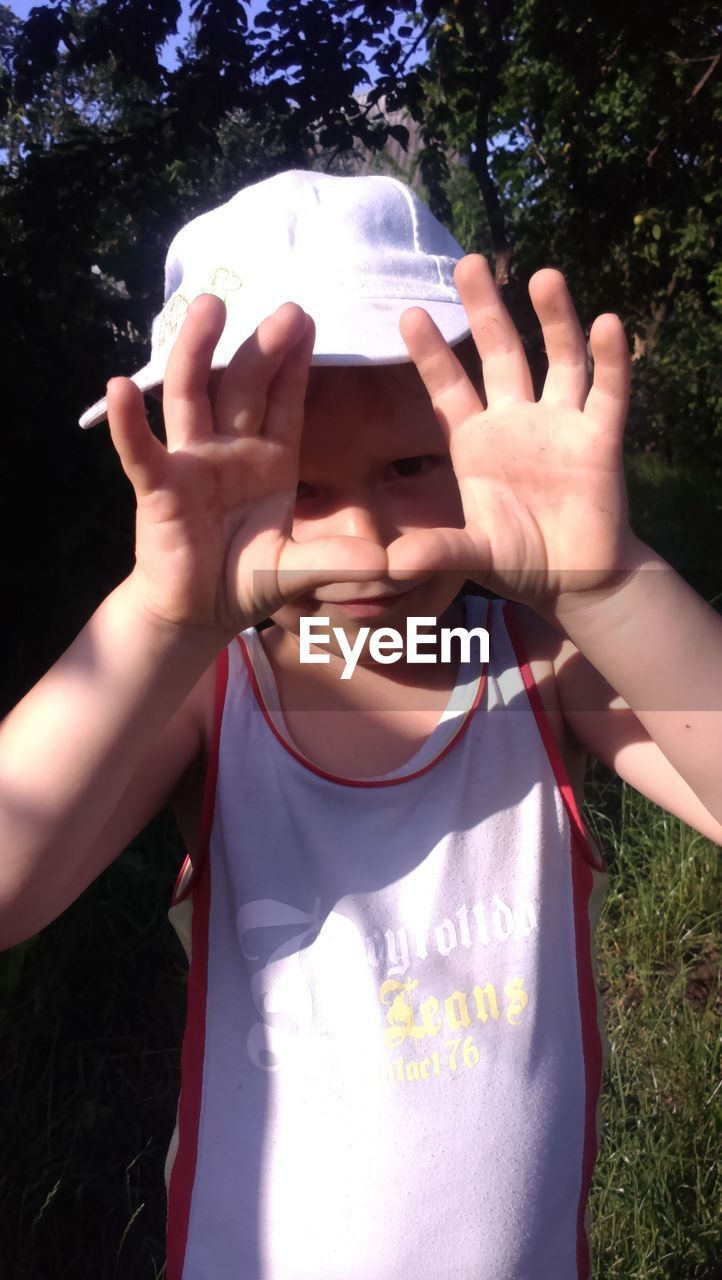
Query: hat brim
[[366, 332]]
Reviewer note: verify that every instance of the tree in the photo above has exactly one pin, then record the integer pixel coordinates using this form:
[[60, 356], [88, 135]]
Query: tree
[[93, 185], [593, 131]]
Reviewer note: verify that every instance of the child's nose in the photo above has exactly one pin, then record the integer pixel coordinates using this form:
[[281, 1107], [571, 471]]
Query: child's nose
[[362, 518]]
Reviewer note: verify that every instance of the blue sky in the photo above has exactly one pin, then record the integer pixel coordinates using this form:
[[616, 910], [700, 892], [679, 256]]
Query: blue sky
[[22, 8]]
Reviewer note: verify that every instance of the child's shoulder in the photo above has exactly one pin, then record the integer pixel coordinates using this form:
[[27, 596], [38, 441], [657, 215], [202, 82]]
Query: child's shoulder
[[548, 653], [535, 640], [187, 798]]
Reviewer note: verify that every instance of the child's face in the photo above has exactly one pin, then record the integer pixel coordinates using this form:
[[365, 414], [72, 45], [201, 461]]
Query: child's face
[[374, 464]]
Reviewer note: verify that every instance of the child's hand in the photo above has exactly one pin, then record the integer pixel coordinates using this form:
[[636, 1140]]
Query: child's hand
[[215, 508], [541, 481]]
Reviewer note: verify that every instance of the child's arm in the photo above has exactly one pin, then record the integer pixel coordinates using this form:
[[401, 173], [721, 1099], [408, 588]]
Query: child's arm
[[547, 524], [101, 741], [659, 645], [90, 755], [602, 724]]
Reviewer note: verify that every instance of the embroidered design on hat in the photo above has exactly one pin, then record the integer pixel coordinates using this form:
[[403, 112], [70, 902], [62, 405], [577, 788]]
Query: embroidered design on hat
[[171, 317], [223, 282]]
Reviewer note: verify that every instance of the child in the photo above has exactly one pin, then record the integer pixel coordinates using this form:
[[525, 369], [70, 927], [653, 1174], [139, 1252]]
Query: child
[[392, 1059]]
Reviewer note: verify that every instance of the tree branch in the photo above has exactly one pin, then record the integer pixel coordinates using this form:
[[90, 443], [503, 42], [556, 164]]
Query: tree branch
[[488, 81], [703, 79], [534, 146]]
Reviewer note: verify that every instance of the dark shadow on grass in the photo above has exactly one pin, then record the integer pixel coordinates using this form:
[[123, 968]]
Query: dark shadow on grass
[[90, 1053]]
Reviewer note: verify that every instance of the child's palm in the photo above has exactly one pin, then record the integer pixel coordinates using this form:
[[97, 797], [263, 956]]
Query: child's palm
[[215, 508], [541, 482]]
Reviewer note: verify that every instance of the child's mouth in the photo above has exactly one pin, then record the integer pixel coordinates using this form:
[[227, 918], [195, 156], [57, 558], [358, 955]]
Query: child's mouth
[[370, 607], [364, 606]]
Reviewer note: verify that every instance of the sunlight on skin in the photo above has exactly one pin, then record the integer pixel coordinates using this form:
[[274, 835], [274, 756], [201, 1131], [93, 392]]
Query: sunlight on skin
[[373, 464]]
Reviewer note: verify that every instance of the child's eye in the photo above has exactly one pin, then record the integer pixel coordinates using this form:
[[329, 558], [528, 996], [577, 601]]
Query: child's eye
[[412, 466]]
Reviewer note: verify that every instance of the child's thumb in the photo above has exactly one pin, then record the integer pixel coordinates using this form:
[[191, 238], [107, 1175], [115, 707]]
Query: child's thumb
[[303, 566]]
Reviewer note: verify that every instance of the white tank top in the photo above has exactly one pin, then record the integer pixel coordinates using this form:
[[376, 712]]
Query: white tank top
[[393, 1052]]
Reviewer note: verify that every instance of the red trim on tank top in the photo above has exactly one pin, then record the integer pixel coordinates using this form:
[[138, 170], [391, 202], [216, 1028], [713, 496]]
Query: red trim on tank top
[[583, 863], [209, 785], [183, 1172], [582, 886], [364, 782], [182, 1177]]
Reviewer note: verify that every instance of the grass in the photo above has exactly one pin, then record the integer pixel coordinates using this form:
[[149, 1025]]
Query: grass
[[94, 1009], [657, 1192], [678, 511], [89, 1064]]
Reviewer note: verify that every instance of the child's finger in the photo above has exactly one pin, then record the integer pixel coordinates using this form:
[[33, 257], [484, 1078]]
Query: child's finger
[[608, 399], [186, 407], [143, 458], [450, 389], [303, 566], [443, 550], [240, 405], [506, 372], [286, 395], [567, 380]]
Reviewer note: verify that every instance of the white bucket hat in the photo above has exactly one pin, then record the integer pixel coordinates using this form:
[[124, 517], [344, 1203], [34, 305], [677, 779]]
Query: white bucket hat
[[353, 252]]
